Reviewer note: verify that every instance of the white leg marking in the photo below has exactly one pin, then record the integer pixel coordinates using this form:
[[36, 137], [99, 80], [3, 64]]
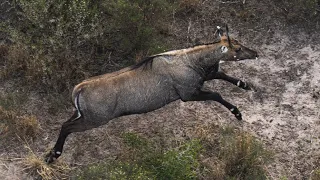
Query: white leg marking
[[76, 101], [79, 114], [58, 152]]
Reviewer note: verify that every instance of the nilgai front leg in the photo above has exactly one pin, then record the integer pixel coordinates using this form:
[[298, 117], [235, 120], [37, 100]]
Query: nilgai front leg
[[214, 96], [235, 81]]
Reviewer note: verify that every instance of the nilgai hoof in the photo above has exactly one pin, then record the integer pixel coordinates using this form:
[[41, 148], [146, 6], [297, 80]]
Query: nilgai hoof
[[236, 113], [251, 86], [239, 116], [50, 157], [245, 85]]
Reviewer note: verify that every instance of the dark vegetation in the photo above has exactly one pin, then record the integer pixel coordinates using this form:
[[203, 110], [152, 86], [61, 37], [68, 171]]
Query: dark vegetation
[[55, 44], [52, 45]]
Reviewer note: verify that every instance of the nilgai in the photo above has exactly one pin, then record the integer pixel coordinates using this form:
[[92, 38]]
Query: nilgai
[[151, 84]]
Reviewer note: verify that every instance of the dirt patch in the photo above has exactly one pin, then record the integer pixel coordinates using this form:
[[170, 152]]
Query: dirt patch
[[287, 118]]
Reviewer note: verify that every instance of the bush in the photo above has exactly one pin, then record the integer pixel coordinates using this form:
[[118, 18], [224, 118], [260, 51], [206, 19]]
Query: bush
[[244, 156], [58, 43], [220, 154], [297, 11], [232, 154], [14, 123]]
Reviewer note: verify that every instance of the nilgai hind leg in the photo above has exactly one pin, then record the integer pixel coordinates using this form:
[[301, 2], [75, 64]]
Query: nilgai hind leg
[[74, 124]]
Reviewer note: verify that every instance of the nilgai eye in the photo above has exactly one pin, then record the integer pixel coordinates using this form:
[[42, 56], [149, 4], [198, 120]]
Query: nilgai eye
[[238, 49], [224, 49]]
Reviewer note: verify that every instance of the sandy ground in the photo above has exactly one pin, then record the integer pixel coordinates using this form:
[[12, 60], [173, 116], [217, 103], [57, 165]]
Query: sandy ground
[[287, 119]]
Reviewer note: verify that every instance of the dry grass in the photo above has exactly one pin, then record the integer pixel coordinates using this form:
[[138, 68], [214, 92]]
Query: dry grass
[[24, 127], [36, 167], [232, 153], [13, 121], [14, 60], [20, 129]]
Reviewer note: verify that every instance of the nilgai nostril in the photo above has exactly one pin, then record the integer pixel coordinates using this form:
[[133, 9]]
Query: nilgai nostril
[[151, 84]]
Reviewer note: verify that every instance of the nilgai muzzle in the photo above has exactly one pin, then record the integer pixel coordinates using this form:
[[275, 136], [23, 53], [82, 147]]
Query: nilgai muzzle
[[151, 84]]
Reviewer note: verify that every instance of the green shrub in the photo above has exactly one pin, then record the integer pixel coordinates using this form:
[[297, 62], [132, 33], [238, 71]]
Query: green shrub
[[232, 154], [134, 141], [165, 162], [315, 174], [179, 163], [115, 171], [143, 160]]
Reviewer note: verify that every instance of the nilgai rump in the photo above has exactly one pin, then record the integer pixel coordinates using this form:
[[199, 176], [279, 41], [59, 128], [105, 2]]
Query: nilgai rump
[[151, 84]]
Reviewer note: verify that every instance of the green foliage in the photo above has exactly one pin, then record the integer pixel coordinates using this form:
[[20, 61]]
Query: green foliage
[[174, 163], [59, 43], [315, 174], [180, 163], [134, 141], [283, 178], [13, 100], [144, 160], [232, 154], [115, 171]]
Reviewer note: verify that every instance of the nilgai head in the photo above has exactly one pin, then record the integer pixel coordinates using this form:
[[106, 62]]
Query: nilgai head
[[232, 50]]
